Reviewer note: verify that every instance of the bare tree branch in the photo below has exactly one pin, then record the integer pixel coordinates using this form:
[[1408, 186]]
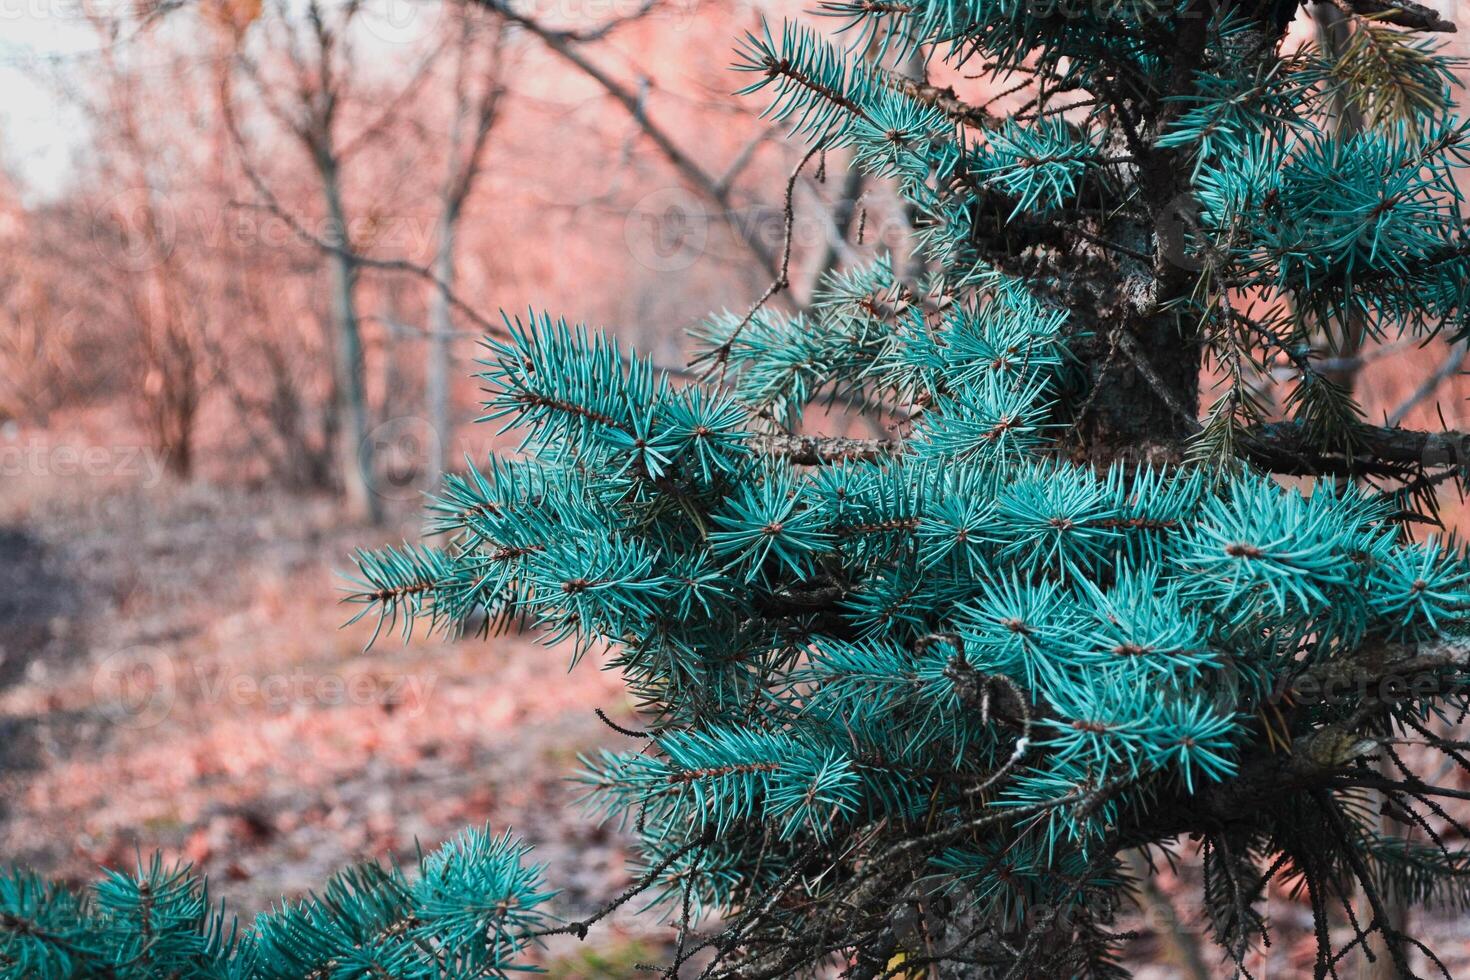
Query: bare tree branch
[[1425, 391], [1279, 447], [746, 155], [465, 162], [565, 45], [390, 112], [720, 356]]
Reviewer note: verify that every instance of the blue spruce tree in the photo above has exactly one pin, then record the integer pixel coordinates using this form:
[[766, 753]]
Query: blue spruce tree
[[907, 701]]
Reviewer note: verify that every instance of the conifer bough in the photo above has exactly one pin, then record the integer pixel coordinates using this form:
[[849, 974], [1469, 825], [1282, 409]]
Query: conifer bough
[[906, 702]]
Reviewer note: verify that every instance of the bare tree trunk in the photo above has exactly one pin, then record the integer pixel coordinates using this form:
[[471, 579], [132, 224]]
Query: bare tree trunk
[[356, 452], [438, 365], [474, 118]]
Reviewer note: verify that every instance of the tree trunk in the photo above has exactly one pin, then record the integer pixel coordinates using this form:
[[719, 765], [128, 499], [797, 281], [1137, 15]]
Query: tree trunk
[[438, 365], [1144, 391], [1140, 361], [355, 449]]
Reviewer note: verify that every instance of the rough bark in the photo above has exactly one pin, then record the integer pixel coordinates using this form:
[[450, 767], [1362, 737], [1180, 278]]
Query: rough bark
[[1280, 447], [1404, 13]]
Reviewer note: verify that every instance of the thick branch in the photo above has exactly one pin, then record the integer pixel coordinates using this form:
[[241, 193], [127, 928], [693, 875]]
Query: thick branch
[[1284, 447], [1401, 13], [1384, 671], [1280, 447], [944, 99], [820, 450]]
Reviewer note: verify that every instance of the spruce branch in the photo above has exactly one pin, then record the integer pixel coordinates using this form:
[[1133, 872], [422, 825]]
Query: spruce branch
[[1391, 669]]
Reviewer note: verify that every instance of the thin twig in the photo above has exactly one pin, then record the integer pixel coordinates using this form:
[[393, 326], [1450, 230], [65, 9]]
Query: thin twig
[[1448, 368], [720, 356]]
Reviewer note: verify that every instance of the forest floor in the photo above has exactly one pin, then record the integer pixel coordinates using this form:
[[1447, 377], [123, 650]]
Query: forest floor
[[174, 675]]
